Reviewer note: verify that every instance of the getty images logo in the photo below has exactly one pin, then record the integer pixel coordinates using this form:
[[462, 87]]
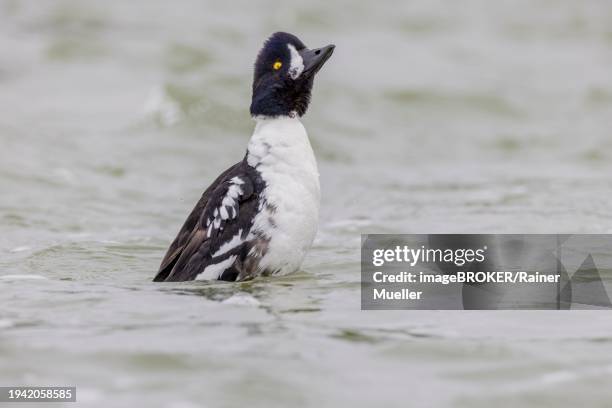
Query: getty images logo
[[556, 271]]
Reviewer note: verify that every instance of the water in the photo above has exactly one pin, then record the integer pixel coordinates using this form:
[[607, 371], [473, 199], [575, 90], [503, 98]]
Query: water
[[431, 117]]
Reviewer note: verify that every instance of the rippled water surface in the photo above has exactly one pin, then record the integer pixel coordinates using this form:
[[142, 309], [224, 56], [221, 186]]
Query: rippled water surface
[[431, 117]]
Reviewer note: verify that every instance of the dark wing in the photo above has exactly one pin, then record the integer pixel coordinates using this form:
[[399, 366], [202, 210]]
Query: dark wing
[[218, 224], [194, 231]]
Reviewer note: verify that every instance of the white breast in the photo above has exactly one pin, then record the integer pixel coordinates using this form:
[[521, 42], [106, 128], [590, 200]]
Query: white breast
[[280, 150]]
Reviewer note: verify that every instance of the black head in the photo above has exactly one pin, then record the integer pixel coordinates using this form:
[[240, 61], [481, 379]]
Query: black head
[[284, 73]]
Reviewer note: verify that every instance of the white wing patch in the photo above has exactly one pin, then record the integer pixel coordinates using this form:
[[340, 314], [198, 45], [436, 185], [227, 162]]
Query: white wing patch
[[228, 208], [297, 63], [229, 245], [214, 271]]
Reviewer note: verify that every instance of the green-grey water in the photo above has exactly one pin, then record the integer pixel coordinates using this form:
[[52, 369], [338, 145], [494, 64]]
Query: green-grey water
[[431, 117]]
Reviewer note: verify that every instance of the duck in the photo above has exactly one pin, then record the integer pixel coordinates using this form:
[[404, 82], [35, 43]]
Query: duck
[[260, 216]]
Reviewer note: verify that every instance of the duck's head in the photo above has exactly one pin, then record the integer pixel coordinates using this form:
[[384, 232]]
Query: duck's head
[[284, 72]]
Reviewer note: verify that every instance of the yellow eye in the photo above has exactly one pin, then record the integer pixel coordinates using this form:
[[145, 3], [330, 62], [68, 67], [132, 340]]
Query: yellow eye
[[277, 65]]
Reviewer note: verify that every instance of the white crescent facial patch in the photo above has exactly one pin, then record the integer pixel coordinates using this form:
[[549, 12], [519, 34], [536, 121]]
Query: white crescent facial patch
[[297, 63]]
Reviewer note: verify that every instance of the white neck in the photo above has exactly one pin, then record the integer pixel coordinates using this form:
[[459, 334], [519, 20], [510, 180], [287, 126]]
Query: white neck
[[279, 139]]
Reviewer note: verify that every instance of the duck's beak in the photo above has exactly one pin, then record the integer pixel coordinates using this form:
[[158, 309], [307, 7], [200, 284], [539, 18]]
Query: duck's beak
[[314, 59]]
